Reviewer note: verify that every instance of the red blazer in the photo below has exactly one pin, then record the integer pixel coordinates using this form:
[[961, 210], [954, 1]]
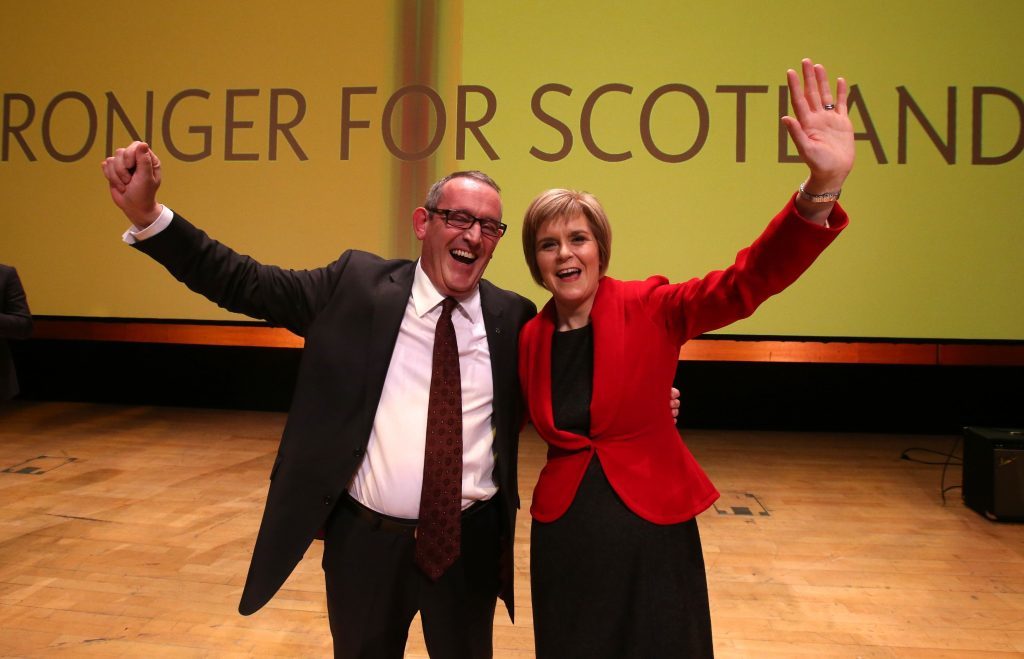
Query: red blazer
[[639, 327]]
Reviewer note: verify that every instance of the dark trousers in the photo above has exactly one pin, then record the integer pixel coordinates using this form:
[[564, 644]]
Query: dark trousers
[[374, 589]]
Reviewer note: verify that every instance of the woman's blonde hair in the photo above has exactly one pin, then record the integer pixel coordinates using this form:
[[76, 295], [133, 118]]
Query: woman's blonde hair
[[561, 204]]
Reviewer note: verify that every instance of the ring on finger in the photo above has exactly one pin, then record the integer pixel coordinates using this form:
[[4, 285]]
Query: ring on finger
[[829, 106]]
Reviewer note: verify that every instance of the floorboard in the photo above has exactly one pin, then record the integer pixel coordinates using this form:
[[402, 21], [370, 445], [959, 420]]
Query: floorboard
[[126, 531]]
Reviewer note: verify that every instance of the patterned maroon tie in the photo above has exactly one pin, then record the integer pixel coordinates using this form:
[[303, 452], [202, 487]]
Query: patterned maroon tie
[[439, 532]]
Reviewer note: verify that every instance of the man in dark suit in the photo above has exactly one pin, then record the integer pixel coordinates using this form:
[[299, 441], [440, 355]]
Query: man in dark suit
[[15, 323], [351, 458]]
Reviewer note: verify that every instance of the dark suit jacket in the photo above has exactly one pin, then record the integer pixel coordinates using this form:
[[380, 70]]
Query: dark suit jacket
[[639, 327], [15, 323], [349, 313]]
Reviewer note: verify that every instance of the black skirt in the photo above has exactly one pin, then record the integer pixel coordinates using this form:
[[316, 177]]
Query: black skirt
[[608, 583]]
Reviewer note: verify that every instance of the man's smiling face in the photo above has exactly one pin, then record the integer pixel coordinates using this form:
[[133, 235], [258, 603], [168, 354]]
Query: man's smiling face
[[455, 259]]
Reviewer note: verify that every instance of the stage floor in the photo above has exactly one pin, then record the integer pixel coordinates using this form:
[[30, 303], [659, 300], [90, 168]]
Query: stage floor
[[127, 531]]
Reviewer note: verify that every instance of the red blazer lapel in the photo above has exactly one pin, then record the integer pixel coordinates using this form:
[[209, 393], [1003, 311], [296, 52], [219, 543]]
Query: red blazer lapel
[[609, 322]]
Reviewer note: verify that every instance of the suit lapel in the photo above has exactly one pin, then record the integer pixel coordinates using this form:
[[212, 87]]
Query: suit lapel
[[499, 338], [388, 309]]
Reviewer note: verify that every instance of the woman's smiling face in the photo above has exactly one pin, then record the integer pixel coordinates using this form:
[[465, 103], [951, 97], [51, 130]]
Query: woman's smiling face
[[569, 260]]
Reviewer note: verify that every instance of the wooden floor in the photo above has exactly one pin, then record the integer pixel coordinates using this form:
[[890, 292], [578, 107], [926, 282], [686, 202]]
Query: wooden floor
[[126, 531]]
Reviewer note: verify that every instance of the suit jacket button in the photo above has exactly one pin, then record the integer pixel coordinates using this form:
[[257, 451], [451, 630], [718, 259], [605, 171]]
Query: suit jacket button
[[358, 452], [327, 500]]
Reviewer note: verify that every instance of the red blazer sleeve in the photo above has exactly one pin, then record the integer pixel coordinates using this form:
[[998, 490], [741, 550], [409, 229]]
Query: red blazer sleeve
[[783, 252]]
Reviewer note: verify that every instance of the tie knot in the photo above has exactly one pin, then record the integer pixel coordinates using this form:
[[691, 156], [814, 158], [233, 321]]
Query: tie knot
[[448, 304]]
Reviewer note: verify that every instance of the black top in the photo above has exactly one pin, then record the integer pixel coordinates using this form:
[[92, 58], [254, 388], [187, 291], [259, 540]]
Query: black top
[[572, 379]]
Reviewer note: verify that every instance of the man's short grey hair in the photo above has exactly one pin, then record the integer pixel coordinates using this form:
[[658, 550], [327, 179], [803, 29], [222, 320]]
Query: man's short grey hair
[[434, 194]]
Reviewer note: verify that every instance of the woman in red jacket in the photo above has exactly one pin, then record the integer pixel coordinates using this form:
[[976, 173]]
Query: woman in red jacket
[[616, 563]]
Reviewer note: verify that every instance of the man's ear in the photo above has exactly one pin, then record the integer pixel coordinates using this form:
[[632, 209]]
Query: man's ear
[[419, 222]]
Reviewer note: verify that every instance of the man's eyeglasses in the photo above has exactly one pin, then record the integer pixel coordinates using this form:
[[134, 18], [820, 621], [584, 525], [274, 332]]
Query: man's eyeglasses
[[462, 220]]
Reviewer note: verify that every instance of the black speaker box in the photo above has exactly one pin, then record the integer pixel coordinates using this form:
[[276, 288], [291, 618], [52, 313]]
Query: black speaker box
[[993, 482]]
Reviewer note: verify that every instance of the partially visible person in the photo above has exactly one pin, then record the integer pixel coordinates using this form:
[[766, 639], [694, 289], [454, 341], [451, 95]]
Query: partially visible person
[[15, 323], [616, 563]]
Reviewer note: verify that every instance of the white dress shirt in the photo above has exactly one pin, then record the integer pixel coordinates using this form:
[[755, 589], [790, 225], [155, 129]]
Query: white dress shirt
[[391, 476]]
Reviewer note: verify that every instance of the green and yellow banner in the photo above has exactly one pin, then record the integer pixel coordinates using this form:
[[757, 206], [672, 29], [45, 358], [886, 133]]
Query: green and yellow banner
[[293, 131]]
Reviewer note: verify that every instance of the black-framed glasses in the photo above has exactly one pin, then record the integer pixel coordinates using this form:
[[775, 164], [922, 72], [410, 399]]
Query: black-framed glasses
[[459, 219]]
